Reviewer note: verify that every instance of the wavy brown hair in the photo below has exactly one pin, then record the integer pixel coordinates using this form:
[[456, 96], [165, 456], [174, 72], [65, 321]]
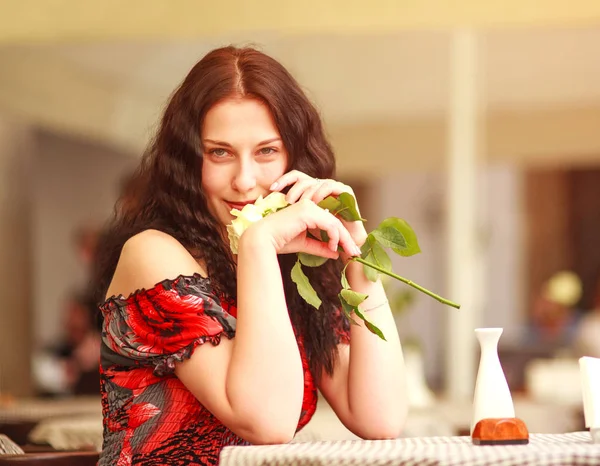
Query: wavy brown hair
[[165, 193]]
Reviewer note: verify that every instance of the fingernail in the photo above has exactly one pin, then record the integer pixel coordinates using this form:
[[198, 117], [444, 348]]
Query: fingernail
[[274, 186], [357, 251]]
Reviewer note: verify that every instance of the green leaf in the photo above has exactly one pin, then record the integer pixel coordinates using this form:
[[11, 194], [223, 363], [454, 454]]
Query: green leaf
[[370, 325], [325, 239], [354, 298], [331, 204], [348, 211], [310, 260], [348, 310], [345, 283], [412, 245], [374, 253], [305, 289], [389, 237]]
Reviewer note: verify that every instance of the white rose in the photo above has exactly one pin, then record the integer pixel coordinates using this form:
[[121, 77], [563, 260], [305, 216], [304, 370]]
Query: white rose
[[273, 202], [234, 239], [247, 216], [252, 213]]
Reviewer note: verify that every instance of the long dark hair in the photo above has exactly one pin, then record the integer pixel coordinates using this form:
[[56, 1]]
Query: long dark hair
[[166, 194]]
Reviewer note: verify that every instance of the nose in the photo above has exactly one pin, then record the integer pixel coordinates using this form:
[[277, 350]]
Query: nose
[[245, 177]]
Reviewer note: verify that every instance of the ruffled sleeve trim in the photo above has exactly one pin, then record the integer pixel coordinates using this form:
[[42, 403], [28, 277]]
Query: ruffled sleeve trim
[[162, 325]]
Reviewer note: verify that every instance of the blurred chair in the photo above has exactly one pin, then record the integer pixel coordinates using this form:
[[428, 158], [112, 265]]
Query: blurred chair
[[51, 459], [11, 453], [18, 431], [8, 447]]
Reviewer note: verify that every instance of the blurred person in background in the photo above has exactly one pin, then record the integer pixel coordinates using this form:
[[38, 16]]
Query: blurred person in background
[[85, 241], [81, 346], [237, 128], [587, 337], [554, 315], [71, 366]]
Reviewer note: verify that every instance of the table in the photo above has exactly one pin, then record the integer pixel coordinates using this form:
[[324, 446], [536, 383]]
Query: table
[[447, 417], [543, 450], [69, 433], [19, 417]]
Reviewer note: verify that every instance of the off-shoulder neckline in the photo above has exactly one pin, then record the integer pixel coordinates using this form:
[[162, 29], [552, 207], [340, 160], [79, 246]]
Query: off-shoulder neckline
[[133, 294]]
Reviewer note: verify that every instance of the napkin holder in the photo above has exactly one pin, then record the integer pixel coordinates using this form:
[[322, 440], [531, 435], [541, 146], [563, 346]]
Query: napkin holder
[[590, 388], [500, 431]]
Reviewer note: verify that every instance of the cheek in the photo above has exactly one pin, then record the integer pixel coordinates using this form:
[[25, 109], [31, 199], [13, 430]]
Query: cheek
[[275, 170], [212, 180]]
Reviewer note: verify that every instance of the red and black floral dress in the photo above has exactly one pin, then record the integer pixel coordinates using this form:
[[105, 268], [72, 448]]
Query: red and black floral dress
[[150, 418]]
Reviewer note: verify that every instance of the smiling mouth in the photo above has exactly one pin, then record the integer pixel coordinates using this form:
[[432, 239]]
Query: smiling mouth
[[238, 205]]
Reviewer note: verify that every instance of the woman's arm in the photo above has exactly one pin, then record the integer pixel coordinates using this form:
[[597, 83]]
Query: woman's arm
[[367, 388], [252, 383], [262, 378]]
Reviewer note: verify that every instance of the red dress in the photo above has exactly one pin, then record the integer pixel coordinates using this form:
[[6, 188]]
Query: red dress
[[150, 418]]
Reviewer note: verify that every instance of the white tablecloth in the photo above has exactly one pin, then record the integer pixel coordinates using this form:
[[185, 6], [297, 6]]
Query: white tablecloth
[[69, 433], [542, 450]]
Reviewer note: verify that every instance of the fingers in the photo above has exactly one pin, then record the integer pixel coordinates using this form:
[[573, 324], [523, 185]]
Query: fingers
[[324, 187], [299, 188], [328, 188], [344, 238], [307, 187], [337, 233], [334, 236], [289, 178], [318, 248]]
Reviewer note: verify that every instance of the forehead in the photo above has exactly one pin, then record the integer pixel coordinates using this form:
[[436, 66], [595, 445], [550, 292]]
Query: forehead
[[239, 119]]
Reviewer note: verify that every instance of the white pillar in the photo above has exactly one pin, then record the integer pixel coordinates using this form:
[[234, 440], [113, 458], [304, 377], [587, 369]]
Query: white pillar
[[464, 277]]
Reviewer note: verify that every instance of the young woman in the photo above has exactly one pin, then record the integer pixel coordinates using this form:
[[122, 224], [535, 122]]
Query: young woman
[[202, 348]]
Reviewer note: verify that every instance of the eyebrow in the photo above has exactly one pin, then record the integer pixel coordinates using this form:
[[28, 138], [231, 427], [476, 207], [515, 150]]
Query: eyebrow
[[226, 144]]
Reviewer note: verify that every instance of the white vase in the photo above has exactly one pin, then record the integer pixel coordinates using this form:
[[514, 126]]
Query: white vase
[[418, 393], [492, 397]]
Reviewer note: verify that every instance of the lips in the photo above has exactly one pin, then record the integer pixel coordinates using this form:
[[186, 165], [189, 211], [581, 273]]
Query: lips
[[238, 205]]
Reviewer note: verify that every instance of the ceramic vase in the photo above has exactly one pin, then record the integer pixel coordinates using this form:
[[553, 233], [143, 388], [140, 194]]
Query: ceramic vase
[[418, 393], [492, 397]]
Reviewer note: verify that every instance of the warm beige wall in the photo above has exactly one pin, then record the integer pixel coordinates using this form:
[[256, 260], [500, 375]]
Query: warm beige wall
[[15, 262], [68, 100], [540, 138], [32, 20], [71, 100], [65, 98]]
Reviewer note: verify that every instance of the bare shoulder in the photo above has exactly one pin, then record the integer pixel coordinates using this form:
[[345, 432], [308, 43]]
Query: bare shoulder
[[149, 258]]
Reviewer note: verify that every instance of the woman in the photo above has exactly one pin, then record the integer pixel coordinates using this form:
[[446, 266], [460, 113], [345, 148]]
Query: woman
[[238, 127]]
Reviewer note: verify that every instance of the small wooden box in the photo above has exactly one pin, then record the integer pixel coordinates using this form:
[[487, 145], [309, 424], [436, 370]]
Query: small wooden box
[[500, 431]]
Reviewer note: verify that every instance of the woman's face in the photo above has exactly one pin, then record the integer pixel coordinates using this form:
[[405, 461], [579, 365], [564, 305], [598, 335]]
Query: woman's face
[[243, 155]]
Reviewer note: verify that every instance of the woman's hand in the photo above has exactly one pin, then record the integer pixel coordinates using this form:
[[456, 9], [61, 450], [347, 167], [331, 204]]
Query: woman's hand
[[288, 231], [306, 187]]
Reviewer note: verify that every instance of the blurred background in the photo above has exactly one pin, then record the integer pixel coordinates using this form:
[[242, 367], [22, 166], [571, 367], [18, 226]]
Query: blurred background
[[478, 123]]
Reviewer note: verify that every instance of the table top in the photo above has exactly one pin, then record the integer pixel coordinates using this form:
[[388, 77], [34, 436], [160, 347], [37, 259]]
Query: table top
[[543, 450], [69, 433]]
